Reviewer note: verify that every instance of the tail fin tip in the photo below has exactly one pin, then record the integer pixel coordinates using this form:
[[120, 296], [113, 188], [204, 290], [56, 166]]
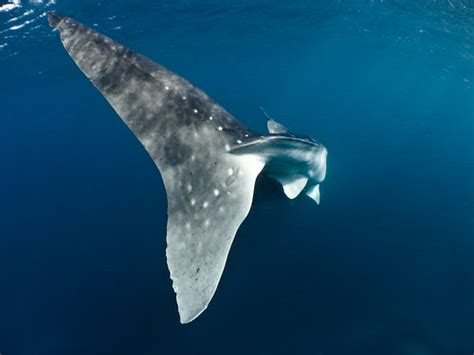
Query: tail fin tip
[[54, 19]]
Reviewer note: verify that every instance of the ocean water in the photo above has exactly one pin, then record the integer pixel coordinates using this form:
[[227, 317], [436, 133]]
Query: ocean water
[[384, 265]]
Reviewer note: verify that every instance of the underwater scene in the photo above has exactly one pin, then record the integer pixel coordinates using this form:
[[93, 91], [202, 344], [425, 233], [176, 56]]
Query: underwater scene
[[339, 151]]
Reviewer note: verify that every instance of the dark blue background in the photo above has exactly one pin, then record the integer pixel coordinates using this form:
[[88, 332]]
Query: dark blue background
[[383, 266]]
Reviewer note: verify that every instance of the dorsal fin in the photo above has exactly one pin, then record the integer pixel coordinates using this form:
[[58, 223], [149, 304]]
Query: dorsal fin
[[273, 126]]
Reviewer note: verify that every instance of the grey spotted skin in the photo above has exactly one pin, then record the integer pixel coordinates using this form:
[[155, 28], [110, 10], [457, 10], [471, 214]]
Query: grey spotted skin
[[208, 160]]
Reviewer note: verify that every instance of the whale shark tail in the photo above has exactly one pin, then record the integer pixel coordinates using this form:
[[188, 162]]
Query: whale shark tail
[[54, 19], [187, 135]]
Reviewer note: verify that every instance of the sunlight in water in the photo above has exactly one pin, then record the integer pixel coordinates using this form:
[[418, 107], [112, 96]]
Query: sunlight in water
[[19, 20]]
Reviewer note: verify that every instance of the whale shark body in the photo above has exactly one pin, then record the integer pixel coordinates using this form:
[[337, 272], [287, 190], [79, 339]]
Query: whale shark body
[[208, 160]]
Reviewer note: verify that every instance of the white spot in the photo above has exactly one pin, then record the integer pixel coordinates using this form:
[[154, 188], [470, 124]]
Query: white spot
[[246, 135], [205, 204], [227, 147], [193, 158], [239, 141], [167, 87], [211, 118], [189, 187], [193, 202], [195, 111], [230, 171], [207, 223], [216, 192], [219, 128], [184, 97]]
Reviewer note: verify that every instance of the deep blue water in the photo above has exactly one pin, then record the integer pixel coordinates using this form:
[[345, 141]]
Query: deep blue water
[[385, 265]]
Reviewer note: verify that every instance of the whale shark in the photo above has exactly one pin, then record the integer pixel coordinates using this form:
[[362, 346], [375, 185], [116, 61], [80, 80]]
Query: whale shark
[[208, 160]]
